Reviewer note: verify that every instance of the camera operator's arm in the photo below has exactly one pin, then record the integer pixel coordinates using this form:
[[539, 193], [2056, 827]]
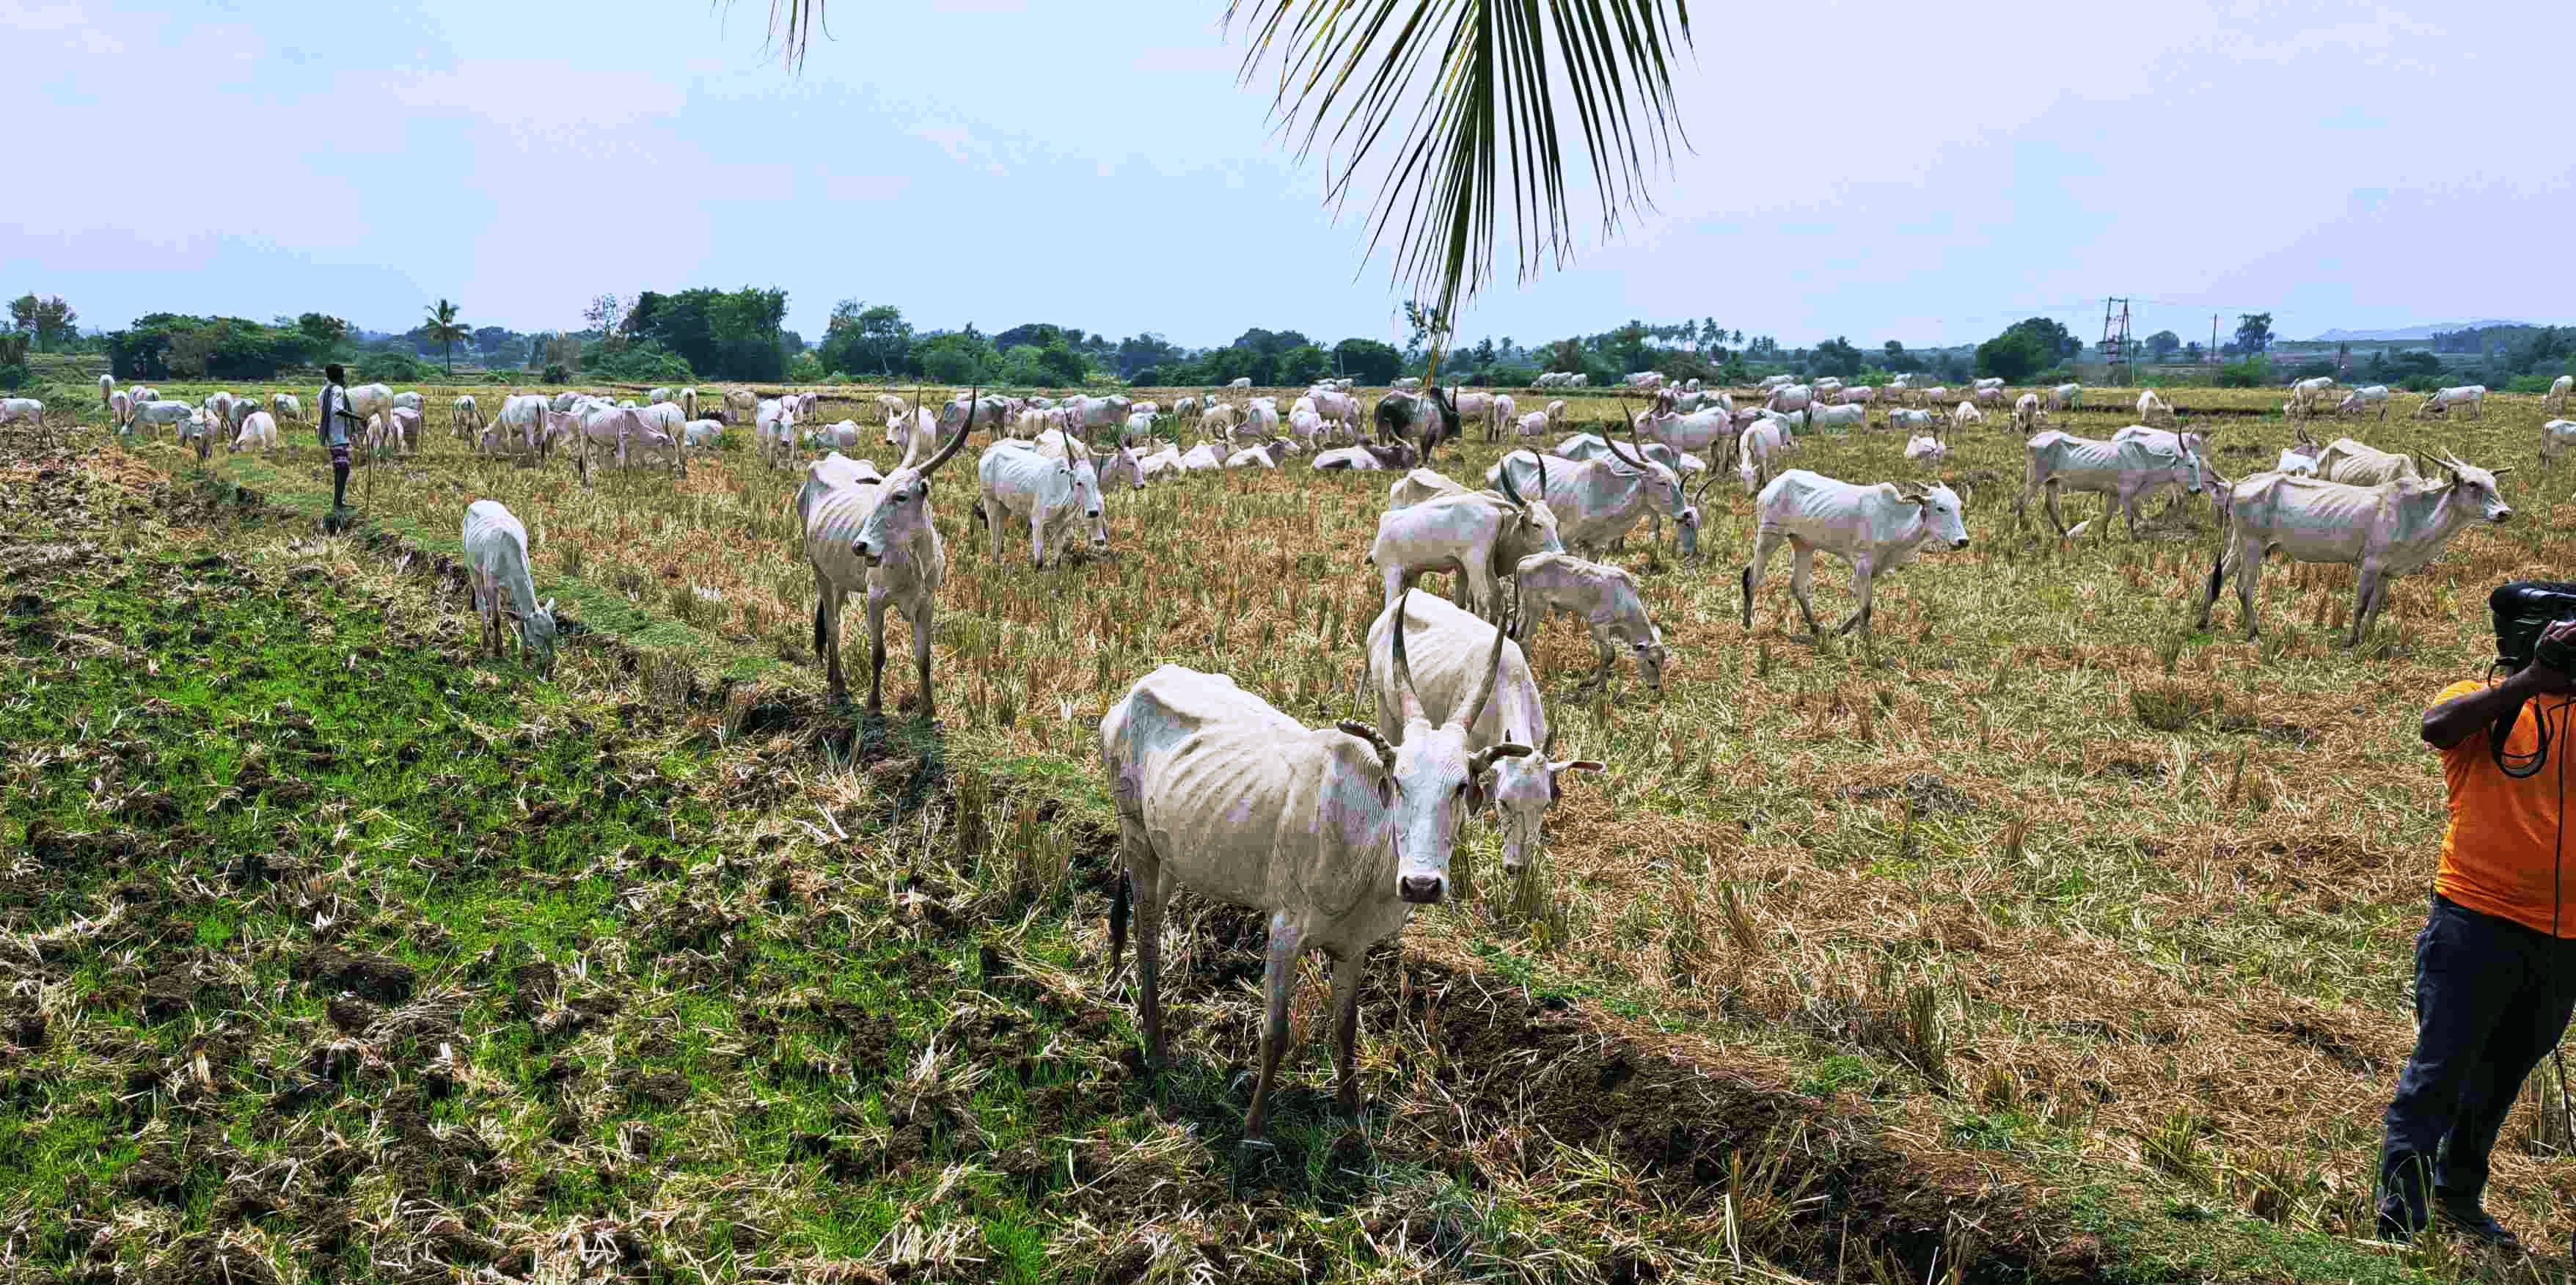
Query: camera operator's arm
[[2457, 719]]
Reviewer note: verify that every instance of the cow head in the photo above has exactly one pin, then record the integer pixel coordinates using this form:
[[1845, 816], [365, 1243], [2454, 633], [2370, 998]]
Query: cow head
[[2473, 485], [1086, 492], [537, 631], [1941, 512], [1664, 490], [1522, 789], [1432, 771], [903, 505]]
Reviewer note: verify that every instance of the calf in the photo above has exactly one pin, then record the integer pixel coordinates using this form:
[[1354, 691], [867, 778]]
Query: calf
[[1053, 494], [496, 556], [1875, 528], [1605, 599]]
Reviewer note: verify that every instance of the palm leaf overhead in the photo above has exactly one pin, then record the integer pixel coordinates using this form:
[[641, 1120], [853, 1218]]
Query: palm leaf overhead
[[1476, 85]]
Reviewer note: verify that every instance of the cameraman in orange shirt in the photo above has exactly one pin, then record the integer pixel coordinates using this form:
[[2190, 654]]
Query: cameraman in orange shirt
[[2495, 966]]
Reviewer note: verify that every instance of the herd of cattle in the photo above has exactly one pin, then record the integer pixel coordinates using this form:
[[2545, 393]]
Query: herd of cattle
[[1339, 832]]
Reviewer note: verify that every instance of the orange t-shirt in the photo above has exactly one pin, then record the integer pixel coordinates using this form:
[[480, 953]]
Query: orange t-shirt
[[2501, 854]]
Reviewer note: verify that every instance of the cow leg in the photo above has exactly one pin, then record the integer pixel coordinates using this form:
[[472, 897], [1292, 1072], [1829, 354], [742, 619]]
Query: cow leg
[[1145, 874], [2217, 578], [921, 631], [876, 647], [1286, 941], [2055, 518], [2373, 588], [2129, 509], [1763, 543], [2249, 575], [1802, 569], [827, 635], [1863, 583], [1346, 1028]]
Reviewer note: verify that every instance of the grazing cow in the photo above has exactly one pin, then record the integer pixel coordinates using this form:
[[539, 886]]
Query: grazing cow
[[1444, 644], [1368, 457], [2555, 402], [1773, 383], [2303, 394], [1426, 421], [841, 436], [809, 405], [1988, 382], [1605, 599], [1856, 395], [1988, 396], [1434, 524], [2555, 437], [197, 432], [1556, 412], [2066, 397], [106, 386], [2355, 464], [2386, 531], [402, 429], [464, 419], [120, 409], [1645, 379], [364, 401], [522, 424], [496, 558], [1086, 415], [1340, 410], [259, 428], [2195, 443], [1534, 424], [1932, 397], [1054, 494], [1909, 421], [286, 408], [1763, 443], [409, 401], [1240, 381], [879, 536], [1578, 381], [1701, 430], [1838, 418], [1924, 449], [2028, 414], [1877, 529], [220, 405], [701, 434], [2473, 396], [890, 408], [739, 406], [2125, 472], [2150, 406], [146, 414], [1789, 397], [1337, 834], [1966, 414], [1597, 501]]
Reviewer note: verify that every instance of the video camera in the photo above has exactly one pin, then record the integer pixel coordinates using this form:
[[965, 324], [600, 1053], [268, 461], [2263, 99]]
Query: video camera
[[2522, 609]]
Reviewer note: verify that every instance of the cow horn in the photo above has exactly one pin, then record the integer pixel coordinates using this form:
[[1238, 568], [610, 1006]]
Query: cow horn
[[1485, 679], [1408, 701], [1631, 461], [1542, 473], [964, 431], [1385, 752], [1503, 474]]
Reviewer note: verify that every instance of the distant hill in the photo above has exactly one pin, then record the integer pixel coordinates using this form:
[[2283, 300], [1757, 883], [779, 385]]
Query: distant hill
[[2412, 332]]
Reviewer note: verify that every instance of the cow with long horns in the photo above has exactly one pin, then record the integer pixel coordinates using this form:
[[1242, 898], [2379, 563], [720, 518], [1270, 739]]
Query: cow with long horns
[[877, 535], [1477, 535], [1337, 833]]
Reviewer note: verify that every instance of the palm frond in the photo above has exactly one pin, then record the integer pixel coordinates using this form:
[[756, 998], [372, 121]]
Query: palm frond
[[1477, 85]]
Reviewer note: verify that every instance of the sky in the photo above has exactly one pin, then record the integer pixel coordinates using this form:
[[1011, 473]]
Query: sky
[[1873, 170]]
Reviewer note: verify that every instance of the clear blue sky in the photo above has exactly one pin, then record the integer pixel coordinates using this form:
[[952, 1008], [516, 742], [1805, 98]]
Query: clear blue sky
[[1922, 172]]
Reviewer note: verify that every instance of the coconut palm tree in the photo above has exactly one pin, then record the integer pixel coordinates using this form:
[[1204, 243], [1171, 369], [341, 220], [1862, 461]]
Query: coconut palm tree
[[442, 325], [1473, 81]]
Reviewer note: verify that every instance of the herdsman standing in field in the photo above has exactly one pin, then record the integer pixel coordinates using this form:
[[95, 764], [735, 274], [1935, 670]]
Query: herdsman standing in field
[[2495, 966], [335, 431]]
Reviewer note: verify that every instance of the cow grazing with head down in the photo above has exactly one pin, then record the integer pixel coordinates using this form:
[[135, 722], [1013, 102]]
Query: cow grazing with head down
[[1426, 420], [1764, 444], [1877, 529], [1597, 501], [2473, 396], [2555, 400], [2126, 472], [1966, 414], [1605, 598], [2386, 531], [878, 536], [1336, 834], [496, 555]]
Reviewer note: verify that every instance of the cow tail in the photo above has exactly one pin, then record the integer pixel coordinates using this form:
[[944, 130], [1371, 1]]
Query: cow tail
[[818, 622], [1118, 912], [2218, 566]]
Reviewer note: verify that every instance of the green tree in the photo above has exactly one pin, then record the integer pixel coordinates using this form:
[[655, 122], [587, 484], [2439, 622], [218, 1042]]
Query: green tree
[[2013, 356], [2055, 342], [1892, 355], [1836, 356], [442, 327], [721, 334], [864, 340], [22, 313], [325, 331], [2163, 343], [959, 357], [1303, 365], [2253, 333], [1368, 360], [1062, 366]]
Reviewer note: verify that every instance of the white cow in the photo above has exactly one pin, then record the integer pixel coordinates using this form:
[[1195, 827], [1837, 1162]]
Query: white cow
[[259, 428], [2386, 531], [2150, 406], [120, 409], [1877, 529], [2028, 414], [464, 419], [2555, 401], [1604, 598], [1926, 450], [2303, 394], [2298, 458], [146, 414], [1444, 645], [496, 559], [890, 409], [1410, 383], [878, 537], [701, 434], [106, 386], [774, 428], [1856, 395], [13, 409], [2066, 397], [1763, 443], [1646, 379], [1966, 414], [1700, 430], [2473, 396], [1837, 418], [1163, 463], [1339, 409], [1205, 457], [1368, 456], [1054, 495], [2126, 472], [407, 401], [1243, 381], [1112, 466], [2356, 464], [688, 400], [1989, 396], [1789, 397], [739, 406], [1556, 412], [657, 397], [1534, 424], [1912, 421], [840, 436], [521, 425], [1434, 524], [1988, 382], [2555, 437], [286, 408], [1263, 456], [1597, 501], [1337, 835]]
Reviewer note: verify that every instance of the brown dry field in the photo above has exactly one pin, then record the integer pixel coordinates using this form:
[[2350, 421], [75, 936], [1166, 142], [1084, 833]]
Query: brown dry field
[[1953, 883]]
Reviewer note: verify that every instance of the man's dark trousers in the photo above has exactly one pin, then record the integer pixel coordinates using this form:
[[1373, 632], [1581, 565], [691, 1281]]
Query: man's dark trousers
[[2491, 999]]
